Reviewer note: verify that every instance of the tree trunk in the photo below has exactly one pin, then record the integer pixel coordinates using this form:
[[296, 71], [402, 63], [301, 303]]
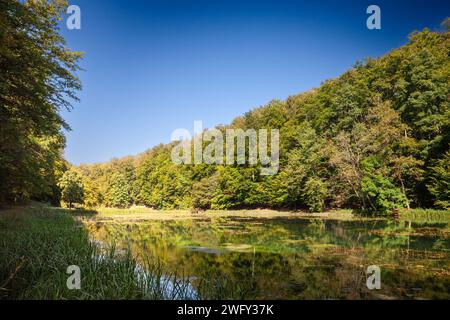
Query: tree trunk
[[404, 193]]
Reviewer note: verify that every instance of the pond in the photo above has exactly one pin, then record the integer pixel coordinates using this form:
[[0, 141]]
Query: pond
[[293, 258]]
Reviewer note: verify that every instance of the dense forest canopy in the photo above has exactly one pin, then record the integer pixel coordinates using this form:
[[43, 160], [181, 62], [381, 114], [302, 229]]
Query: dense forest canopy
[[375, 138], [37, 79]]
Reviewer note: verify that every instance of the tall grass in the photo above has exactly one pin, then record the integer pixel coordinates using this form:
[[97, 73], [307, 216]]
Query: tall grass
[[426, 215], [38, 243]]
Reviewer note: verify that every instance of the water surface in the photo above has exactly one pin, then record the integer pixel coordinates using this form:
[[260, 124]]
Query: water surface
[[294, 258]]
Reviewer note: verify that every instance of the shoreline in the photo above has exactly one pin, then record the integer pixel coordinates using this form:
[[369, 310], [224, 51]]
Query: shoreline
[[147, 214], [106, 214]]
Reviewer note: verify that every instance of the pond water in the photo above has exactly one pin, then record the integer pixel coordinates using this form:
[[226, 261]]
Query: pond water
[[292, 258]]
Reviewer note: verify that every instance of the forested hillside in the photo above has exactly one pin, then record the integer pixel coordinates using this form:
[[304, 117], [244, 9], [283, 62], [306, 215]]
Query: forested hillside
[[376, 138]]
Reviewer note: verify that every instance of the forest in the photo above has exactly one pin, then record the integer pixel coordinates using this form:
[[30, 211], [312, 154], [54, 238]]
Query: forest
[[374, 139]]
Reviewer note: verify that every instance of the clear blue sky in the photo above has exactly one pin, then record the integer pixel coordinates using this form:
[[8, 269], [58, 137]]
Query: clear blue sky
[[154, 66]]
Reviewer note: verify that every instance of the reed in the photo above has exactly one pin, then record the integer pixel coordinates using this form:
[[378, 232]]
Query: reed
[[38, 243]]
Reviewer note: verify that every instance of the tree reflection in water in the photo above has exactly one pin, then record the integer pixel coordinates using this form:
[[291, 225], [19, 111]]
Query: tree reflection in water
[[293, 258]]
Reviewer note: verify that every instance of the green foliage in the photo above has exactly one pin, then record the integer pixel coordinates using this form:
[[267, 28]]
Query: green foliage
[[232, 188], [203, 191], [162, 183], [380, 192], [92, 195], [376, 137], [314, 193], [439, 184], [72, 189], [119, 191], [36, 80]]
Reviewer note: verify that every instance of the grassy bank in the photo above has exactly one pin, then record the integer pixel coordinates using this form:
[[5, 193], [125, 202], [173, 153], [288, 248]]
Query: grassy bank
[[142, 213], [137, 214], [426, 215], [38, 243]]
